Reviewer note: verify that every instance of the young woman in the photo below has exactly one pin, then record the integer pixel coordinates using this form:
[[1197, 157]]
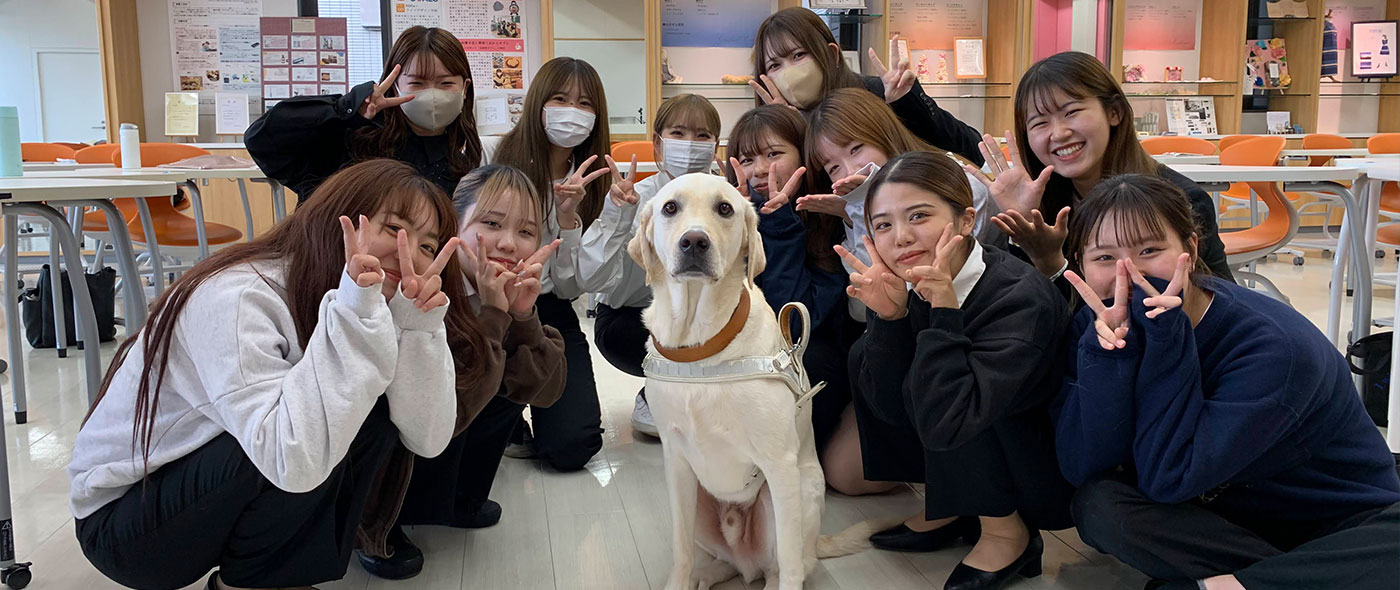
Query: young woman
[[766, 161], [797, 62], [1074, 126], [953, 384], [502, 259], [419, 113], [561, 136], [1213, 432], [684, 138], [241, 428]]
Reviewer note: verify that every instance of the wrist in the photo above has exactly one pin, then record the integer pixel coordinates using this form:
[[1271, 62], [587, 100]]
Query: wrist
[[1049, 264], [570, 220], [897, 315]]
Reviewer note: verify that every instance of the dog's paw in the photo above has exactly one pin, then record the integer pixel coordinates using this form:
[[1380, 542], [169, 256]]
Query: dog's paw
[[718, 571]]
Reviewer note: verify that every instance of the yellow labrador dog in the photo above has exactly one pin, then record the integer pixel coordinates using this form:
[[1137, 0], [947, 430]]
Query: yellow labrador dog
[[746, 490]]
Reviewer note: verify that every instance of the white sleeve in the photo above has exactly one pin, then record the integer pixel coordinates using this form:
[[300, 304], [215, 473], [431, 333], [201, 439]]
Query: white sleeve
[[423, 394], [602, 254], [294, 421], [563, 277], [489, 145]]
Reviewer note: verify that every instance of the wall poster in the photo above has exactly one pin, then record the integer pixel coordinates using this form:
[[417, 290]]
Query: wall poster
[[303, 57], [1160, 24], [934, 24], [214, 47]]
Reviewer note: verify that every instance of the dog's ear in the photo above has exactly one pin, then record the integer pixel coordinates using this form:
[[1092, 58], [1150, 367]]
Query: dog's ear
[[640, 247], [755, 259]]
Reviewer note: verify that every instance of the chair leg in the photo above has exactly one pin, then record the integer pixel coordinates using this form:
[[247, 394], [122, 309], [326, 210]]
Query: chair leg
[[1268, 286], [56, 286]]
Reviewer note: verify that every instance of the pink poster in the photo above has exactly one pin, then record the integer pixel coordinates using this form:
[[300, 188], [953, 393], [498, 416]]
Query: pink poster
[[1345, 13], [1161, 24], [932, 24]]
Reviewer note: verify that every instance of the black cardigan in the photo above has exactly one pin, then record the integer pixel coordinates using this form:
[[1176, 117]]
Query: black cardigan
[[952, 375], [302, 141], [922, 116]]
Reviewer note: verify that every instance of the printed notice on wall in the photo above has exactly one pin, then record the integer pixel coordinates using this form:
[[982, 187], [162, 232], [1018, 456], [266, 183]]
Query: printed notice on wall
[[494, 33], [933, 24], [711, 23], [215, 47], [182, 114], [302, 57], [1160, 24]]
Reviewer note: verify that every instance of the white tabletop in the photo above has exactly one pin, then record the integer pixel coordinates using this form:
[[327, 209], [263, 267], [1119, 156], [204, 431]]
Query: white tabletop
[[43, 166], [1172, 159], [1218, 173], [1379, 168], [1339, 152], [152, 173], [29, 189]]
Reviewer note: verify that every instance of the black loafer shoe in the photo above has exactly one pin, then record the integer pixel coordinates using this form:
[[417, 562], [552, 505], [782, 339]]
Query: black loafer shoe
[[966, 577], [405, 559], [902, 538], [487, 514]]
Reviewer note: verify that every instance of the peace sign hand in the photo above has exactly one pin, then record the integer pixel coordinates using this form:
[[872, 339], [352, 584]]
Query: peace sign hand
[[376, 102], [775, 199], [568, 194], [1166, 300], [623, 190], [522, 292], [874, 285], [491, 277], [363, 268], [1111, 325], [1013, 189], [897, 81], [768, 91], [425, 289], [935, 282]]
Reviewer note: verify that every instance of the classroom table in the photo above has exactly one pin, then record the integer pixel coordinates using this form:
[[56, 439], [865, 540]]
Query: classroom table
[[1173, 159], [1327, 152], [1321, 179], [51, 166]]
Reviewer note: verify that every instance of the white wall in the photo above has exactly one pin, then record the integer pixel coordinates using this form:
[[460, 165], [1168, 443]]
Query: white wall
[[27, 26]]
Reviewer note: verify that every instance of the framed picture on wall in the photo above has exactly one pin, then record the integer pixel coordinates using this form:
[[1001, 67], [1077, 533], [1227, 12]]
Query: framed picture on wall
[[970, 58], [1373, 49]]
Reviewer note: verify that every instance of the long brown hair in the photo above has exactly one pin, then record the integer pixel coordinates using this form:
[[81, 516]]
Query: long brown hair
[[527, 146], [1142, 208], [487, 185], [310, 243], [1078, 76], [795, 28], [422, 43]]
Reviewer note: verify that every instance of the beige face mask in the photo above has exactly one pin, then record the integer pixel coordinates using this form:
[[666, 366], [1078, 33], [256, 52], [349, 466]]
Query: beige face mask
[[800, 83]]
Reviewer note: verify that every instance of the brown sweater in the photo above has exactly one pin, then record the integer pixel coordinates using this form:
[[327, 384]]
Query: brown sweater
[[525, 364]]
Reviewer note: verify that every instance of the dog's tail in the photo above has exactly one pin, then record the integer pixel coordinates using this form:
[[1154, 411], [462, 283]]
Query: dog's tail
[[854, 539]]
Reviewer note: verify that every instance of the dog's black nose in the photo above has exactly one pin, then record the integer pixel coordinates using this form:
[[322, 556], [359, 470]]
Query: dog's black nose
[[694, 242]]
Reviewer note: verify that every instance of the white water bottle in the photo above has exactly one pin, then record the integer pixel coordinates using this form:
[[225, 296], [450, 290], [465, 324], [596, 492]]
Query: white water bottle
[[131, 145]]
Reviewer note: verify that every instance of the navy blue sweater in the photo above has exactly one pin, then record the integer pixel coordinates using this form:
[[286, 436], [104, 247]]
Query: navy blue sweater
[[1253, 410], [787, 275]]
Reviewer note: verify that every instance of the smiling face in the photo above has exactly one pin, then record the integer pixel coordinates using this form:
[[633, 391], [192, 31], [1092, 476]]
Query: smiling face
[[698, 228], [906, 222], [507, 226], [1118, 237], [1071, 134], [423, 241], [426, 71], [843, 158], [771, 150]]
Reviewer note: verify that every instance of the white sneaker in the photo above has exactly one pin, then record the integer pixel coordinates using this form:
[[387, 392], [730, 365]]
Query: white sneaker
[[641, 417]]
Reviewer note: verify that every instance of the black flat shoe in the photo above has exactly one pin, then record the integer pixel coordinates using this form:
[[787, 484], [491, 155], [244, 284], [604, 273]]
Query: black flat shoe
[[902, 538], [966, 577], [487, 514], [405, 559]]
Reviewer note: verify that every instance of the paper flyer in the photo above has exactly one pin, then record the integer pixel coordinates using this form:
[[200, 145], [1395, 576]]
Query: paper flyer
[[303, 56], [215, 47]]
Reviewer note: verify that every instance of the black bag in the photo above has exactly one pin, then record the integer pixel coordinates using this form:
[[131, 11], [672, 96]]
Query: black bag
[[37, 308], [1374, 354]]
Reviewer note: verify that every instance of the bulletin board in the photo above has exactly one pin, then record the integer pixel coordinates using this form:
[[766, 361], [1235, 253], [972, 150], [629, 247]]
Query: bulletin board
[[214, 47], [303, 57], [496, 35]]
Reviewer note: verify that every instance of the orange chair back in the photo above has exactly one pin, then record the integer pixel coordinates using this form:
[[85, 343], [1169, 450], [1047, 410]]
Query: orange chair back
[[624, 150], [1230, 140], [70, 145], [155, 154], [1178, 145], [1260, 151], [98, 154], [1324, 141], [1385, 143], [44, 152]]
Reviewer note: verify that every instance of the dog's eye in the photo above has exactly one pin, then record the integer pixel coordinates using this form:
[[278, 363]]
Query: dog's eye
[[725, 209], [669, 208]]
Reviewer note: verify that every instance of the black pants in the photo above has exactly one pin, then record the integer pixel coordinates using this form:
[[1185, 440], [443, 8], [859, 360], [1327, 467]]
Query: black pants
[[570, 432], [450, 487], [1190, 541], [213, 508], [621, 337]]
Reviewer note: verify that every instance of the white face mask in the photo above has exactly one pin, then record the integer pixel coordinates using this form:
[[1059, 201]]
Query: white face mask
[[855, 203], [800, 83], [433, 109], [567, 127], [680, 157]]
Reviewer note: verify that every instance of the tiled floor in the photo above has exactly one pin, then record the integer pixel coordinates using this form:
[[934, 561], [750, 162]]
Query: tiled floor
[[605, 527]]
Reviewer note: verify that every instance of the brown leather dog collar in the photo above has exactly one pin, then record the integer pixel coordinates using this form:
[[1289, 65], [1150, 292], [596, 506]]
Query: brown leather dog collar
[[711, 347]]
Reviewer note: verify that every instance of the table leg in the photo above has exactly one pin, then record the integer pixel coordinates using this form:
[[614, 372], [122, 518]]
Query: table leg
[[13, 323], [1361, 263], [1392, 415], [149, 227], [1338, 288], [199, 229], [247, 208], [92, 355], [60, 335], [133, 296]]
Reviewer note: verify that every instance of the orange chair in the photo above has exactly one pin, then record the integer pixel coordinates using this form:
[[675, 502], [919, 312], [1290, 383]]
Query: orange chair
[[44, 152], [1229, 140], [1384, 143], [1323, 203], [98, 154], [1387, 143], [1242, 248], [1166, 144], [624, 150], [68, 144]]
